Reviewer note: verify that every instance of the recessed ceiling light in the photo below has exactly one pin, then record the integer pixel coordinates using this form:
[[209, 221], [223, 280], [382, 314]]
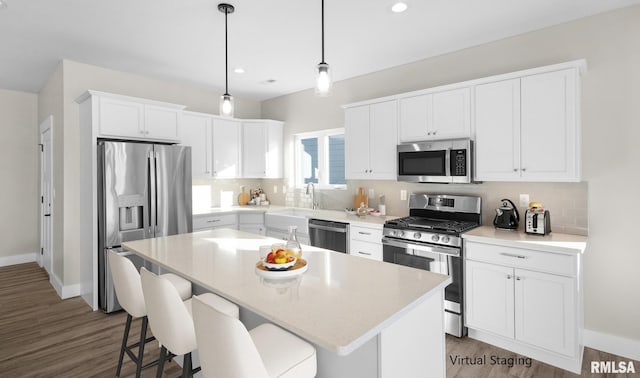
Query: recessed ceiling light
[[239, 70], [399, 7]]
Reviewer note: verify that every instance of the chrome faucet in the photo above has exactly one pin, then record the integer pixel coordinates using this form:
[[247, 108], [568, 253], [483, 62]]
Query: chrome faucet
[[314, 204]]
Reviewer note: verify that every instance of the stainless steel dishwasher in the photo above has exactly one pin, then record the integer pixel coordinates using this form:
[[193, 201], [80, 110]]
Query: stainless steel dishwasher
[[329, 235]]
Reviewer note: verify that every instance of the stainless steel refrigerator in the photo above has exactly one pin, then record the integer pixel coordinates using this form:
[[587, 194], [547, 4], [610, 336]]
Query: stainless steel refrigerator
[[144, 191]]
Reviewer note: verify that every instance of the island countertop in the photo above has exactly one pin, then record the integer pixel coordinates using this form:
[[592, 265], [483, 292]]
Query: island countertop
[[339, 303]]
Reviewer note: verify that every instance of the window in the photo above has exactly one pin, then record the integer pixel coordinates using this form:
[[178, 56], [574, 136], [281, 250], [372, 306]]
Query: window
[[319, 158]]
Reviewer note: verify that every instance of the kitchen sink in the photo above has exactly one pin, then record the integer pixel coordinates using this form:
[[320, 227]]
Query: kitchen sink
[[282, 219]]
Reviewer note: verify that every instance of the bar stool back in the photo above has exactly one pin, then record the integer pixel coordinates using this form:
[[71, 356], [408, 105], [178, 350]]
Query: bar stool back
[[228, 350]]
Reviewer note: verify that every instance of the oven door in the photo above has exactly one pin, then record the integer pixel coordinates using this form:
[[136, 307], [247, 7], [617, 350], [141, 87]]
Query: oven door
[[437, 259]]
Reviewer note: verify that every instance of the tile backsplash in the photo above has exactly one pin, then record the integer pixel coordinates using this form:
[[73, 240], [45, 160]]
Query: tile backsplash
[[566, 202]]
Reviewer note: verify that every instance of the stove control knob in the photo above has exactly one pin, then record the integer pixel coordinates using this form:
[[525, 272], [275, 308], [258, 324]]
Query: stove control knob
[[435, 238], [400, 233], [417, 235], [392, 233], [445, 239]]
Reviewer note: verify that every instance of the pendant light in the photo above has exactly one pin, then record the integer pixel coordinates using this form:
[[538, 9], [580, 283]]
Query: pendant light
[[226, 100], [323, 79]]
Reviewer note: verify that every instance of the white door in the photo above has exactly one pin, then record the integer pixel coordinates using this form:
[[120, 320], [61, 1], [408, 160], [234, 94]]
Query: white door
[[545, 311], [497, 119], [489, 298], [254, 149], [416, 114], [451, 114], [226, 148], [356, 133], [46, 188], [383, 139], [196, 132]]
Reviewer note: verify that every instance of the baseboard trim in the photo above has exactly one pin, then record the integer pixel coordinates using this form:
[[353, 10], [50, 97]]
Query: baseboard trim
[[18, 259], [617, 345], [64, 292]]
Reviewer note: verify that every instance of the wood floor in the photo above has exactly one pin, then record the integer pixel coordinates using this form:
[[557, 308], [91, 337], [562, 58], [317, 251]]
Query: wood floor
[[44, 336]]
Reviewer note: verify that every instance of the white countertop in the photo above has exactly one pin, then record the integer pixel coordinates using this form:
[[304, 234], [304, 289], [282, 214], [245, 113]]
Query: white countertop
[[339, 303], [553, 242], [330, 215]]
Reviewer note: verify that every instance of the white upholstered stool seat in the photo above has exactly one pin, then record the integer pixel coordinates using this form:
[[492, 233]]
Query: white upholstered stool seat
[[128, 288], [228, 350], [170, 318]]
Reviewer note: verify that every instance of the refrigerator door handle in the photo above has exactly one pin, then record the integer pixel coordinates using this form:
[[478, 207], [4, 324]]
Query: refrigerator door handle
[[157, 193], [152, 194]]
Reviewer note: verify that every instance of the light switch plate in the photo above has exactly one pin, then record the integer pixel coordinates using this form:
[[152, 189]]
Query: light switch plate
[[524, 200], [403, 195], [371, 193], [275, 189]]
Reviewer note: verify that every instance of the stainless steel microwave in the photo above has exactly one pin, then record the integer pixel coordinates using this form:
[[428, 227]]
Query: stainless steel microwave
[[440, 161]]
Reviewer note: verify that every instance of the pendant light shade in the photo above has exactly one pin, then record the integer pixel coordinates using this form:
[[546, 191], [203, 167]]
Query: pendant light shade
[[323, 78], [226, 100]]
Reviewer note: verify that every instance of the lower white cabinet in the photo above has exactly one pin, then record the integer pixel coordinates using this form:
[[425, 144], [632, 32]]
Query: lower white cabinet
[[525, 300], [365, 242], [214, 221], [253, 223]]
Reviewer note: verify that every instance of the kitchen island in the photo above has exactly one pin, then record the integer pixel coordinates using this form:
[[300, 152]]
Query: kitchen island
[[366, 318]]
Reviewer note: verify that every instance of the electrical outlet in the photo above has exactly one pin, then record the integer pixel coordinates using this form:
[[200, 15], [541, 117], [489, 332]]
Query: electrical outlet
[[275, 189], [371, 193], [403, 195], [524, 200], [284, 189]]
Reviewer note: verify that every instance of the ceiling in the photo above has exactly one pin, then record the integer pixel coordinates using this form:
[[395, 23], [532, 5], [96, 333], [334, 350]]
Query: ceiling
[[277, 42]]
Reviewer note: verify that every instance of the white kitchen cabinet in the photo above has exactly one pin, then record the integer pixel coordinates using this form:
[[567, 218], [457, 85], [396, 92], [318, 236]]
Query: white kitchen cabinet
[[213, 221], [524, 300], [252, 222], [526, 128], [129, 118], [370, 141], [226, 148], [436, 115], [196, 132], [262, 149], [365, 242]]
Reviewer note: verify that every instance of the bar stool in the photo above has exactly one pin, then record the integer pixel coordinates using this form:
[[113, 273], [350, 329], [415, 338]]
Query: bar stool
[[170, 319], [228, 350], [126, 281]]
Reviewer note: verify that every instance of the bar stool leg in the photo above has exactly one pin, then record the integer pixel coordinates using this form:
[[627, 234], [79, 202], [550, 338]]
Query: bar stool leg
[[163, 357], [186, 366], [143, 337], [125, 338]]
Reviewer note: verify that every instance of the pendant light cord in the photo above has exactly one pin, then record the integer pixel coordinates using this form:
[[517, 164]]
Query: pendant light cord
[[226, 55], [322, 33]]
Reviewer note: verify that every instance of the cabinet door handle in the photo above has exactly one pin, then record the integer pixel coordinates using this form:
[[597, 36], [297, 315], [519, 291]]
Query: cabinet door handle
[[364, 233], [524, 169], [364, 253], [213, 221], [513, 255], [515, 169], [518, 278], [508, 276]]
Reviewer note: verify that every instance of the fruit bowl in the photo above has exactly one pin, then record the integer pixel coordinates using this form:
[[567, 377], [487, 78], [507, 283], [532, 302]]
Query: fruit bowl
[[283, 266]]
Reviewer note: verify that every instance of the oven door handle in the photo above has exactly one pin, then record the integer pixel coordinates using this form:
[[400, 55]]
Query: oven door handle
[[421, 247]]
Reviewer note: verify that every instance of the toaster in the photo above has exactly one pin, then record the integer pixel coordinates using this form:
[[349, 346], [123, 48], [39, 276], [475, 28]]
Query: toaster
[[537, 221]]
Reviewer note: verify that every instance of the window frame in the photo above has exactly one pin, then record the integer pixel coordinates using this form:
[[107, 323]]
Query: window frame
[[323, 158]]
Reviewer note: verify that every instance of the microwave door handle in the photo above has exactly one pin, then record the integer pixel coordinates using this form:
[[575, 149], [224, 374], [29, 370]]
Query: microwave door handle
[[447, 163]]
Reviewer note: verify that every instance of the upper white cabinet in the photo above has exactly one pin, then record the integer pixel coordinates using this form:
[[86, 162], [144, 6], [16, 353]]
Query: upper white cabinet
[[215, 145], [370, 141], [527, 128], [226, 148], [196, 132], [262, 149], [435, 115], [137, 119]]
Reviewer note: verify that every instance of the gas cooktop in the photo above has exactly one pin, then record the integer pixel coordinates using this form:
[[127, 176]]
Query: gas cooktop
[[432, 224]]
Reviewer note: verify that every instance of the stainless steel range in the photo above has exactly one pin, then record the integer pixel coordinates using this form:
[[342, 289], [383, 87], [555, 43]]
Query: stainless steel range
[[429, 239]]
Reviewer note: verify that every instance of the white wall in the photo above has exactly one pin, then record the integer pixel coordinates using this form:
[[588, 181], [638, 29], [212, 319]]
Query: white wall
[[19, 172], [610, 119]]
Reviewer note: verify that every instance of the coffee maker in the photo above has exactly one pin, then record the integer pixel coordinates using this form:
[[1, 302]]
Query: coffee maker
[[537, 220]]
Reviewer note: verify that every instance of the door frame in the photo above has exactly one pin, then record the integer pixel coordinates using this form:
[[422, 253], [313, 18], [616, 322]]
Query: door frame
[[46, 261]]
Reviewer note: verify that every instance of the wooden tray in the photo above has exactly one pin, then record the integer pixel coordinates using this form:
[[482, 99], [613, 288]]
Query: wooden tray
[[299, 268]]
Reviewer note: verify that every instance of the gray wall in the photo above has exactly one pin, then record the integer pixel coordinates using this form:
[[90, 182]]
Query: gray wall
[[19, 161], [604, 202]]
